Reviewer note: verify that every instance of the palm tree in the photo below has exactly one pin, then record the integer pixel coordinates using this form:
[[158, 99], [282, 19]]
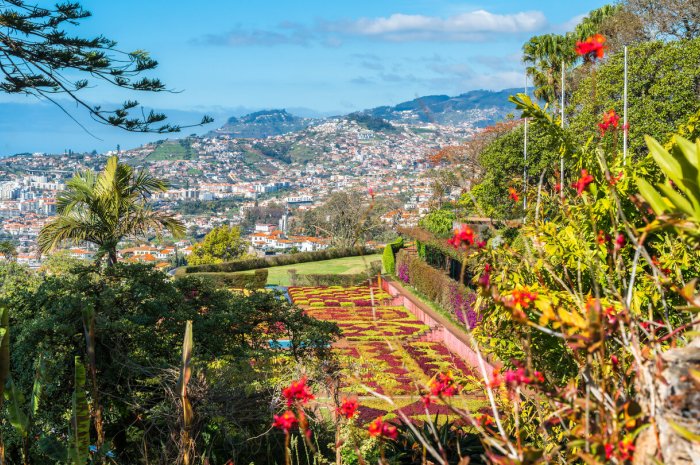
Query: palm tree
[[544, 54], [105, 208]]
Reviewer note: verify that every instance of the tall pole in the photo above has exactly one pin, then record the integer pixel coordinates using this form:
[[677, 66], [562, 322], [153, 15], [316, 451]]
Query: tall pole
[[525, 158], [561, 159], [624, 123]]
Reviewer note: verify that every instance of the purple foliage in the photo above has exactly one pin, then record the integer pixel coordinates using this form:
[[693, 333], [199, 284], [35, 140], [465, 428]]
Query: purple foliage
[[403, 272], [463, 306]]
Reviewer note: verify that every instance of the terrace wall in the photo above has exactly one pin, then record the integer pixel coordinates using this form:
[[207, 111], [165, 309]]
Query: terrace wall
[[457, 343]]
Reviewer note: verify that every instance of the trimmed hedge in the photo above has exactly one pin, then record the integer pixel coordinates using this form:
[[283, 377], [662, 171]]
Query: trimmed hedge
[[334, 279], [280, 260], [255, 280], [437, 286], [388, 260], [389, 255]]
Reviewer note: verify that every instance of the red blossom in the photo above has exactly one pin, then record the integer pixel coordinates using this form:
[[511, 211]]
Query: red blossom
[[583, 182], [348, 408], [625, 449], [462, 237], [611, 120], [443, 385], [378, 428], [496, 380], [520, 298], [371, 192], [481, 244], [285, 422], [609, 448], [513, 194], [592, 48], [602, 237], [619, 242], [297, 391], [557, 188], [485, 279], [615, 179], [614, 360], [427, 400]]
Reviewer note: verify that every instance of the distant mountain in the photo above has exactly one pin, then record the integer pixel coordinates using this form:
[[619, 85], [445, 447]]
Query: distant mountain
[[478, 107], [263, 124]]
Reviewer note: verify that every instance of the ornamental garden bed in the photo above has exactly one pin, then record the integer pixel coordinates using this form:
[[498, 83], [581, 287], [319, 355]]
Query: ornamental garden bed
[[383, 348]]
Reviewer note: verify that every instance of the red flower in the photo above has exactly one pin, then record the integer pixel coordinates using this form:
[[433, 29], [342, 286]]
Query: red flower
[[371, 192], [427, 400], [615, 179], [496, 380], [626, 449], [377, 428], [485, 279], [602, 237], [443, 385], [614, 360], [609, 448], [583, 182], [610, 120], [557, 188], [592, 48], [481, 244], [516, 377], [348, 408], [513, 194], [619, 242], [462, 237], [389, 431], [285, 422], [297, 390], [520, 298]]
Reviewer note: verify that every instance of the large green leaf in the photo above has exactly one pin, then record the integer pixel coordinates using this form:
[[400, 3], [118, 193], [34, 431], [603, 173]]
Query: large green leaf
[[15, 404], [80, 418], [37, 388], [4, 349]]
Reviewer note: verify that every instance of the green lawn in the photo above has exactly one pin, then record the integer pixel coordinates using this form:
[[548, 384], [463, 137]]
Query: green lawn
[[278, 274]]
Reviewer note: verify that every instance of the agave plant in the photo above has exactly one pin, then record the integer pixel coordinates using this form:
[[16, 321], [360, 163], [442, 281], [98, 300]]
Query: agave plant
[[676, 202]]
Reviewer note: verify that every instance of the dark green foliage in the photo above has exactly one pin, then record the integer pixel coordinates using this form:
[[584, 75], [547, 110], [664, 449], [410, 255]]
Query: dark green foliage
[[279, 260], [140, 320], [503, 164], [664, 91], [448, 436], [438, 222], [255, 280], [372, 123]]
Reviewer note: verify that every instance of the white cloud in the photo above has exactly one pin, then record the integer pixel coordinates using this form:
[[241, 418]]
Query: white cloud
[[471, 26]]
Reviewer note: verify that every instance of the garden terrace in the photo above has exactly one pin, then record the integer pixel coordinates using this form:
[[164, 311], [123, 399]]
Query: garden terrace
[[385, 348]]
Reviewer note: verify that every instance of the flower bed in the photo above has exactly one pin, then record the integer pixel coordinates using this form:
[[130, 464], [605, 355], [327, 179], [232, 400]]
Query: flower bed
[[334, 296]]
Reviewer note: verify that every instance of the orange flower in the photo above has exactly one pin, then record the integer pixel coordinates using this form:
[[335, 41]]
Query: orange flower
[[520, 298], [443, 385], [378, 428], [462, 237], [513, 194]]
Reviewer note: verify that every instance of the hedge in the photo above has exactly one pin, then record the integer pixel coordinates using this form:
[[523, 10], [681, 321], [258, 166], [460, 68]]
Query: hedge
[[438, 287], [280, 260], [256, 280], [334, 279], [389, 255]]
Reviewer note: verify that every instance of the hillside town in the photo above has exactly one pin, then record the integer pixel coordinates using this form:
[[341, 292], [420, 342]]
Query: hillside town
[[297, 170]]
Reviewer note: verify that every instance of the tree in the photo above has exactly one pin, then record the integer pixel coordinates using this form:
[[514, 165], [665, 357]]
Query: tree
[[222, 244], [663, 92], [545, 54], [8, 250], [105, 208], [678, 19], [39, 58]]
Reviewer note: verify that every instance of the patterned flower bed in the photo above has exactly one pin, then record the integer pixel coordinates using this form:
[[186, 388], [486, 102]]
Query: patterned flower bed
[[382, 347], [337, 296]]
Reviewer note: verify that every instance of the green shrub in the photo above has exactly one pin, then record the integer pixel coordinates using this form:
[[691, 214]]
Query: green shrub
[[389, 260], [438, 222], [280, 260], [256, 280]]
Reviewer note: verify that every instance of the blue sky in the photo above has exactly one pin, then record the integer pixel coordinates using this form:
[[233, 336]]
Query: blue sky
[[231, 56]]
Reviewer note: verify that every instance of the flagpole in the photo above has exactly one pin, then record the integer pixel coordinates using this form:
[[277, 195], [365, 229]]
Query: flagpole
[[625, 124], [525, 158], [561, 158]]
